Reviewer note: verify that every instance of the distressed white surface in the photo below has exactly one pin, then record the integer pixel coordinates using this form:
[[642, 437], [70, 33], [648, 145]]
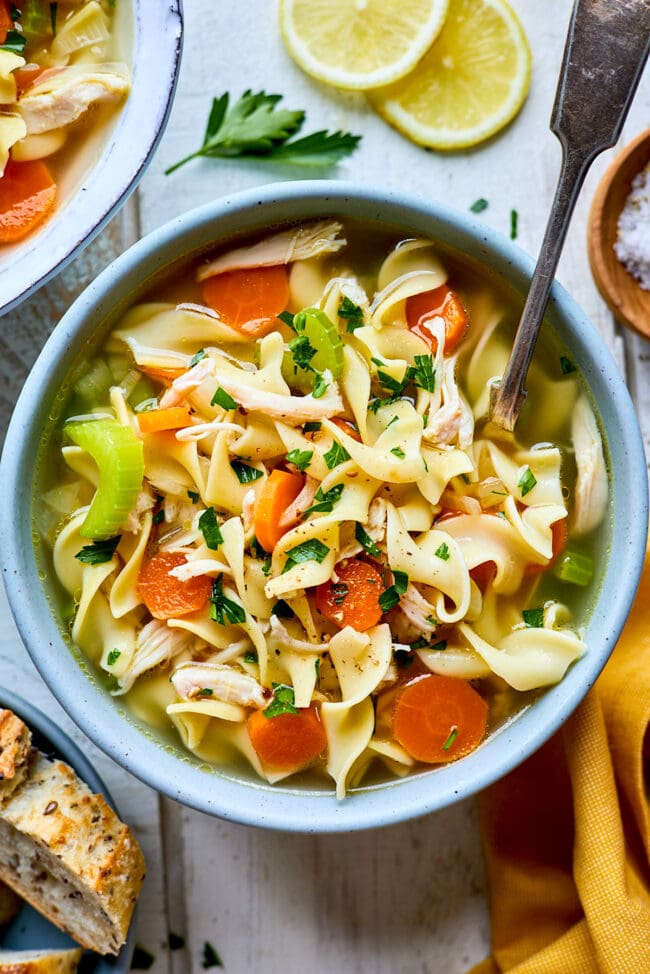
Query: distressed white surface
[[412, 897]]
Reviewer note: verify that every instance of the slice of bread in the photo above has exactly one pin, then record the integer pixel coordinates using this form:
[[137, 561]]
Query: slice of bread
[[15, 748], [39, 961], [65, 851]]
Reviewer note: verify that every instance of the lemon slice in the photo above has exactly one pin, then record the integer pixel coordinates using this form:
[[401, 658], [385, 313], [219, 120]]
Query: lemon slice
[[472, 81], [360, 44]]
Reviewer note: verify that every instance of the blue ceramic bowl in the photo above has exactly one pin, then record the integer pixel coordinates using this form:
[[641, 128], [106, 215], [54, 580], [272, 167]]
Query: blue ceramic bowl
[[224, 793]]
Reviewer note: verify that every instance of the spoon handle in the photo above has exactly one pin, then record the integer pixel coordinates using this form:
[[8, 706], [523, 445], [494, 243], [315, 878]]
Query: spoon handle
[[606, 48]]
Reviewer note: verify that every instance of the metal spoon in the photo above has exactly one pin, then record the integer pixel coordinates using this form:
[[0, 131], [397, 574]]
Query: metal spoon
[[606, 49]]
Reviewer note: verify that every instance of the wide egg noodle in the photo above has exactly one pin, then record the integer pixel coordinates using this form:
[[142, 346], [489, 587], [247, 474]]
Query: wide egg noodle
[[176, 329], [124, 595], [307, 573], [413, 254], [544, 463], [441, 466], [403, 434], [355, 384], [349, 731], [68, 568], [486, 537], [223, 489]]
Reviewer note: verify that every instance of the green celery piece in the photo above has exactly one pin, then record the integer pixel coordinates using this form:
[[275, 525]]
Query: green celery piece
[[324, 336], [92, 387], [574, 567], [295, 377], [119, 456]]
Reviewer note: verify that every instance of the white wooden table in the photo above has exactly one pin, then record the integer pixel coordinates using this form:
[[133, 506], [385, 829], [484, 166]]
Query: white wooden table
[[393, 901]]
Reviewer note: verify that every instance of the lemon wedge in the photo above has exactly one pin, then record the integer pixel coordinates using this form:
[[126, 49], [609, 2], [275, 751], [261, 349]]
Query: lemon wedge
[[360, 44], [471, 82]]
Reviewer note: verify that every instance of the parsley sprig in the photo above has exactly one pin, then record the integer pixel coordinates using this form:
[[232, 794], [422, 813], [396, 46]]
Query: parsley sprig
[[255, 127]]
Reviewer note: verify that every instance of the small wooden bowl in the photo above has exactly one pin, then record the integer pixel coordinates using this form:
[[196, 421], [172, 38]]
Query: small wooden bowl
[[622, 292]]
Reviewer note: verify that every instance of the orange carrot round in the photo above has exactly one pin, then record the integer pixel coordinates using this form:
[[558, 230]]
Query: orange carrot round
[[442, 302], [439, 718], [27, 196], [156, 420], [167, 597], [353, 600], [560, 538], [249, 299], [164, 375], [277, 493], [287, 742], [6, 22]]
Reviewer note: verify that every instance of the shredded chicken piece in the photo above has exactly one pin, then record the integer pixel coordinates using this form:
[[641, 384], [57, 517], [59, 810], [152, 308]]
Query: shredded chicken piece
[[375, 529], [228, 685], [187, 382], [201, 430], [591, 485], [156, 645], [311, 240], [417, 610], [60, 97], [293, 514], [454, 419], [460, 502], [200, 566], [145, 502], [282, 635], [292, 410]]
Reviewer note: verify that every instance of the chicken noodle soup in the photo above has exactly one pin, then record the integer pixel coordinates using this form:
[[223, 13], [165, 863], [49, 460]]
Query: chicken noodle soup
[[59, 76], [288, 532]]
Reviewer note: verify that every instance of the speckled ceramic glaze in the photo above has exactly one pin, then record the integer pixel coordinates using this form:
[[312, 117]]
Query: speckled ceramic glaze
[[29, 930], [123, 158], [245, 799]]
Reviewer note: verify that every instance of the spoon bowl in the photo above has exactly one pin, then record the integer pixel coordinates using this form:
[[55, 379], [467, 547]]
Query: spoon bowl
[[622, 292]]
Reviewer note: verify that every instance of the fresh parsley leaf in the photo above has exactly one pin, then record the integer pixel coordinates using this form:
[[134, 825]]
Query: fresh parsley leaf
[[317, 662], [205, 692], [300, 458], [526, 482], [223, 399], [196, 358], [54, 10], [251, 656], [284, 701], [324, 501], [14, 42], [479, 205], [209, 528], [420, 643], [255, 127], [194, 496], [337, 454], [441, 645], [113, 657], [302, 351], [287, 318], [365, 540], [453, 734], [282, 610], [99, 551], [175, 941], [313, 550], [534, 618], [158, 517], [398, 452], [442, 551], [320, 386], [312, 427], [142, 959], [403, 658], [514, 224], [340, 592], [390, 597], [244, 473], [567, 366], [210, 957], [222, 609], [352, 312], [423, 373]]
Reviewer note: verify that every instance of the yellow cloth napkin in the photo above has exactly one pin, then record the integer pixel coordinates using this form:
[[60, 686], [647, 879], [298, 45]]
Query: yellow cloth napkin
[[567, 834]]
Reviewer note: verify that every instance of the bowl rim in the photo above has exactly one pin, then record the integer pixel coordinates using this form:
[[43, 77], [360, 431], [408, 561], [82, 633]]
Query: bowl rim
[[127, 151], [280, 807]]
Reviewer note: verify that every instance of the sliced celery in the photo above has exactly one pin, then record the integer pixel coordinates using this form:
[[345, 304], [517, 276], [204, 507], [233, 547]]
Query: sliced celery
[[119, 456], [323, 335], [92, 387], [574, 567]]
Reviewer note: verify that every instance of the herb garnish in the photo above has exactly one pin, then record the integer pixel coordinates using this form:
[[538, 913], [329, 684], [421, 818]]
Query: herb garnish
[[205, 692], [390, 597], [398, 452], [514, 221], [209, 528], [302, 351], [175, 941], [210, 957], [99, 551], [284, 701], [365, 540], [196, 358], [251, 656], [320, 386], [479, 205], [567, 366], [337, 454], [526, 482], [194, 496], [14, 42], [534, 618], [255, 127], [300, 458], [244, 473], [313, 550], [352, 312], [54, 9], [113, 657], [442, 551], [403, 658], [440, 646], [423, 373], [222, 609], [223, 399], [312, 427], [158, 517], [324, 501], [286, 318], [450, 740], [282, 610]]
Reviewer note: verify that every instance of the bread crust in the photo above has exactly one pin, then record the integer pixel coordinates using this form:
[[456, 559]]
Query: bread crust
[[15, 747], [10, 904], [40, 961]]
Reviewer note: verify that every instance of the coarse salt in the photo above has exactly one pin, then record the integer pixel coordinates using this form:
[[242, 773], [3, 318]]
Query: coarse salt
[[632, 245]]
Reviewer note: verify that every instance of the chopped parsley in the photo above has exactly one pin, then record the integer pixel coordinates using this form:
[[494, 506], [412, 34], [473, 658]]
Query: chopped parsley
[[324, 501], [352, 313], [251, 656], [423, 373], [441, 645], [194, 496], [365, 540], [390, 597], [312, 427], [340, 592], [99, 551], [210, 957], [54, 10], [14, 42], [282, 610], [283, 702], [196, 358], [442, 551], [317, 662], [158, 517], [403, 658], [223, 399], [286, 318], [398, 452], [337, 454], [175, 941], [514, 224], [205, 692], [209, 528], [567, 366], [450, 740], [320, 386], [113, 657], [534, 618], [300, 458], [479, 205], [302, 352], [313, 550], [244, 473], [222, 609], [526, 482]]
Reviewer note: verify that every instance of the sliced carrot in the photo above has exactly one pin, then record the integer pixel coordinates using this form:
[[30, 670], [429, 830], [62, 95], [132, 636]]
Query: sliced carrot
[[287, 742], [27, 196], [6, 22], [156, 420], [167, 597], [439, 718], [27, 76], [560, 538], [347, 427], [353, 600], [249, 299], [442, 302], [164, 375], [277, 493]]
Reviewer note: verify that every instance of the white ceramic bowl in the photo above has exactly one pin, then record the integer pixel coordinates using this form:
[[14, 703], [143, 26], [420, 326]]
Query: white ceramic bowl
[[221, 791], [101, 187]]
